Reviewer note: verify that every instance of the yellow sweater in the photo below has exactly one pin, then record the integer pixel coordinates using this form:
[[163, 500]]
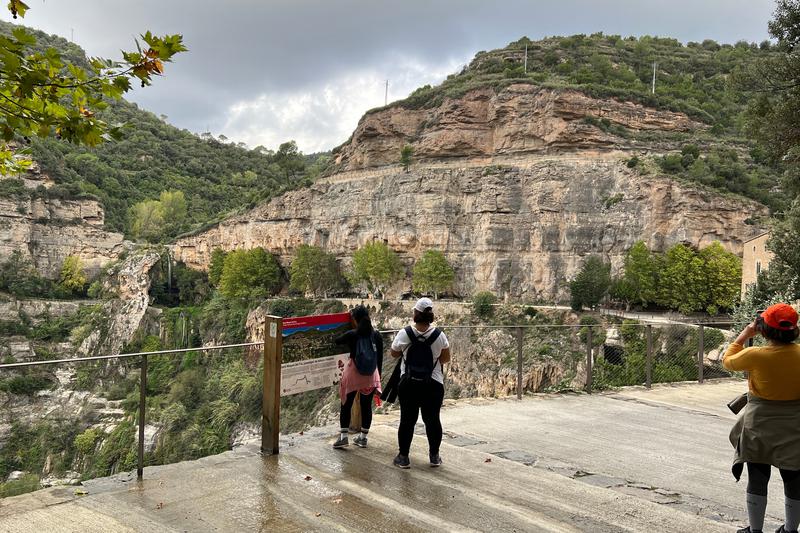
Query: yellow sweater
[[774, 371]]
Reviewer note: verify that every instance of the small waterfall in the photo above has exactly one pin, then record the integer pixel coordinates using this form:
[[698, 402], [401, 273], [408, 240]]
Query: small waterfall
[[169, 272]]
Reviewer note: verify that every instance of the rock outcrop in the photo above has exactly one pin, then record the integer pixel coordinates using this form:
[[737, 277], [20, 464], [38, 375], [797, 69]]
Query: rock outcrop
[[520, 230], [520, 119], [122, 316], [48, 230]]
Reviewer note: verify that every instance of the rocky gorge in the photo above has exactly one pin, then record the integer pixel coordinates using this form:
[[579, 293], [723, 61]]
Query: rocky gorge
[[517, 185]]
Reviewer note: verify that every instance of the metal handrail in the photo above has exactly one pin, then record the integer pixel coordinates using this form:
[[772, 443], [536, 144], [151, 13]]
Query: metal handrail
[[126, 355]]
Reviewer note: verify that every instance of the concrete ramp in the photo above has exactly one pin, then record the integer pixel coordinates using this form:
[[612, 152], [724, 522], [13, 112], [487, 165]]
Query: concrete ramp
[[311, 487]]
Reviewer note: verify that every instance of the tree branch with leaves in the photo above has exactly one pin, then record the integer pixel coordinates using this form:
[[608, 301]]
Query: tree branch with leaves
[[43, 95]]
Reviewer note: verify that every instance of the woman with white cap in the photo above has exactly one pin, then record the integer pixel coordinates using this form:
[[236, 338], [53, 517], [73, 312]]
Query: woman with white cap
[[424, 349], [767, 433]]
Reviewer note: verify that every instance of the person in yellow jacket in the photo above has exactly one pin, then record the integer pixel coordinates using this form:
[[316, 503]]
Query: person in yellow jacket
[[767, 432]]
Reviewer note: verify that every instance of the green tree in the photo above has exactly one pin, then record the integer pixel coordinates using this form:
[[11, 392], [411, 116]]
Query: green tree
[[590, 284], [250, 274], [315, 271], [405, 156], [45, 96], [640, 274], [432, 273], [173, 208], [147, 221], [682, 280], [723, 275], [483, 304], [377, 265], [72, 277], [215, 266]]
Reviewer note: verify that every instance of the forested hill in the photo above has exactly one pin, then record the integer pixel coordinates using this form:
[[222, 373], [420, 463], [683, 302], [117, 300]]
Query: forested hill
[[707, 80], [215, 176], [694, 78]]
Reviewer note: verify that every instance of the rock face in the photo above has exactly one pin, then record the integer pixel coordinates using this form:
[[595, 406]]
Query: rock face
[[130, 280], [47, 231], [520, 229], [521, 119]]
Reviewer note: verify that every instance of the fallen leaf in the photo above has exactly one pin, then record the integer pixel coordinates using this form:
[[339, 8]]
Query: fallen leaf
[[488, 460], [301, 433], [308, 478], [319, 514]]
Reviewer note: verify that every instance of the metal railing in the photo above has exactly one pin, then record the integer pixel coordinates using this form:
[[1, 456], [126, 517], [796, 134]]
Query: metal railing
[[520, 358], [143, 357]]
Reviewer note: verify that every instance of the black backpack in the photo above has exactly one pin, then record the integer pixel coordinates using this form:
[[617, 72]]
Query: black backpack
[[366, 359], [419, 357]]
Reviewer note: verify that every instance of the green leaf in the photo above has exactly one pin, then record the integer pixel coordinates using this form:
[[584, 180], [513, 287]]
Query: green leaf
[[17, 7]]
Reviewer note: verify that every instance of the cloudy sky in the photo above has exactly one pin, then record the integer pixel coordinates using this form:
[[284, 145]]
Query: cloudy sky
[[263, 72]]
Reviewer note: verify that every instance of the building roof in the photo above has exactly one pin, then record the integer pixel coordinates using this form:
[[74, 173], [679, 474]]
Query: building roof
[[755, 237]]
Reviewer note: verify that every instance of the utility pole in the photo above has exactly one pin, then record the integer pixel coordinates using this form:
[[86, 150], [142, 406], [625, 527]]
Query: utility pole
[[654, 77], [526, 59], [386, 94]]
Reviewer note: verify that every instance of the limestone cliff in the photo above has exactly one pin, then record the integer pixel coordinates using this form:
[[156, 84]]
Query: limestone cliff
[[48, 230], [518, 120], [520, 229], [515, 185]]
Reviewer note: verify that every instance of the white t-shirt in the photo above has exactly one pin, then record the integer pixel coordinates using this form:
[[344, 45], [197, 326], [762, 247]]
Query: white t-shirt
[[401, 343]]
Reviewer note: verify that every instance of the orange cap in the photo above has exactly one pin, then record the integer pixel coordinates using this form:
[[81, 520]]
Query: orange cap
[[780, 316]]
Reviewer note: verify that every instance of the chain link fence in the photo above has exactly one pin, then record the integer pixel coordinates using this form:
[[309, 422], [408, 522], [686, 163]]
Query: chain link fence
[[637, 354]]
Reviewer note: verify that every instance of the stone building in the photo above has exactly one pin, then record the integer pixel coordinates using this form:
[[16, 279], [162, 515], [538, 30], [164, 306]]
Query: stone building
[[755, 258]]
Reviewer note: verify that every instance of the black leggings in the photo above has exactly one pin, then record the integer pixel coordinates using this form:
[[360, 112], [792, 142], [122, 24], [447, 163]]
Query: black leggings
[[758, 480], [366, 410], [415, 397]]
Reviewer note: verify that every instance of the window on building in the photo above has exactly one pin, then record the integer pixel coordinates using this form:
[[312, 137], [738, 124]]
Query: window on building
[[758, 268]]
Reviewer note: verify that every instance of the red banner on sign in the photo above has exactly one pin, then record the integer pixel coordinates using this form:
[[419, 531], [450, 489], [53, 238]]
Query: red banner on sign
[[319, 322]]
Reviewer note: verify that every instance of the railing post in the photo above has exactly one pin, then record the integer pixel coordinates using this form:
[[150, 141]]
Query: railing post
[[271, 401], [520, 339], [142, 408], [589, 359], [648, 365], [701, 354]]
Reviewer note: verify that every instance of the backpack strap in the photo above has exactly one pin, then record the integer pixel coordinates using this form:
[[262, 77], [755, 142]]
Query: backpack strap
[[433, 336]]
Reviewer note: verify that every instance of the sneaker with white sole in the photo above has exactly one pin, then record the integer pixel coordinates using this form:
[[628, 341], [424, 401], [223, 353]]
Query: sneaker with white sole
[[341, 442], [436, 460], [360, 441], [401, 461]]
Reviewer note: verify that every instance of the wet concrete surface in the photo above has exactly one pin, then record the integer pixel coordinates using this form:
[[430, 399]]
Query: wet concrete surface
[[559, 463]]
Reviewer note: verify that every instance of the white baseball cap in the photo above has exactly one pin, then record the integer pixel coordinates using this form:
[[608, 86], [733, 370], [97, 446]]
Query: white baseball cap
[[423, 304]]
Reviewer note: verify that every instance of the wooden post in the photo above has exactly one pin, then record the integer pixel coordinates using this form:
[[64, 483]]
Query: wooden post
[[142, 409], [701, 354], [271, 401], [520, 340], [589, 359], [648, 368]]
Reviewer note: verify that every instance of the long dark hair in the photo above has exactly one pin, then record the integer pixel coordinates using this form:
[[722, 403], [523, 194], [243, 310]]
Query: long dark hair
[[360, 316]]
